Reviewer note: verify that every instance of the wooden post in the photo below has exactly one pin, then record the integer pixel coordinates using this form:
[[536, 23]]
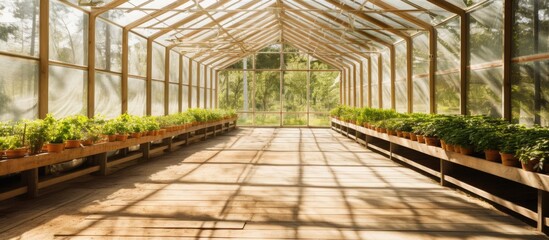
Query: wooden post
[[167, 81], [91, 65], [168, 142], [543, 210], [432, 68], [149, 76], [43, 81], [31, 180], [464, 62], [393, 77], [180, 95], [442, 172], [507, 51], [409, 73], [102, 162], [146, 150]]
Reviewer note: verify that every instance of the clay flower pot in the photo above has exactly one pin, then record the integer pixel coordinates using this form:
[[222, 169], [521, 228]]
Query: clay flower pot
[[405, 134], [432, 141], [87, 142], [450, 147], [443, 144], [122, 137], [56, 147], [72, 144], [420, 139], [530, 165], [465, 150], [413, 137], [111, 138], [16, 153], [492, 155], [509, 159]]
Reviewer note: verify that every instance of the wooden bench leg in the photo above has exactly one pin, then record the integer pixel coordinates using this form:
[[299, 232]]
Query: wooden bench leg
[[31, 180], [543, 210], [102, 162], [146, 150]]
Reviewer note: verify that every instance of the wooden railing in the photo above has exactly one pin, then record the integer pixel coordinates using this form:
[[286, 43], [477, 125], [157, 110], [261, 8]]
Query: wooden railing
[[29, 166], [439, 163]]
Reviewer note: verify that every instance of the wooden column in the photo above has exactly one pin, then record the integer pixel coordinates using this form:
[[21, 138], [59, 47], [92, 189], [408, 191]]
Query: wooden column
[[393, 77], [361, 83], [31, 180], [43, 81], [217, 88], [409, 73], [507, 48], [190, 92], [354, 103], [432, 68], [464, 62], [125, 56], [149, 76], [198, 85], [180, 94], [167, 81], [204, 101], [370, 82], [91, 64], [380, 81]]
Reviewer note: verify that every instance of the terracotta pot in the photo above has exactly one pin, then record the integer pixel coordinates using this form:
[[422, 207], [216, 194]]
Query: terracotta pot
[[457, 149], [135, 135], [509, 159], [391, 132], [111, 138], [87, 142], [450, 147], [405, 134], [413, 137], [72, 144], [420, 139], [465, 150], [162, 131], [399, 133], [382, 130], [492, 155], [443, 144], [56, 147], [16, 153], [530, 165], [122, 137], [432, 141]]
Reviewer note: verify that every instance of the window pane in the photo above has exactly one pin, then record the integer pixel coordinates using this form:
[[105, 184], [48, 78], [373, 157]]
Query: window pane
[[18, 89], [108, 46], [386, 88], [265, 119], [420, 96], [137, 96], [185, 70], [194, 71], [324, 91], [19, 26], [174, 99], [447, 93], [194, 99], [295, 61], [375, 81], [174, 67], [68, 43], [157, 98], [185, 97], [71, 91], [486, 33], [267, 91], [401, 89], [319, 120], [295, 119], [108, 94], [365, 83], [158, 62], [295, 91], [484, 92], [137, 55], [202, 97], [268, 61]]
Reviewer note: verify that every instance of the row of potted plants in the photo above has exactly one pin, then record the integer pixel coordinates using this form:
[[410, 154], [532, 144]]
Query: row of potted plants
[[19, 138], [497, 139]]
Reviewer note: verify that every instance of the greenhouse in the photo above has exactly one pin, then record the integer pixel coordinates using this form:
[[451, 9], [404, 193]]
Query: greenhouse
[[274, 119]]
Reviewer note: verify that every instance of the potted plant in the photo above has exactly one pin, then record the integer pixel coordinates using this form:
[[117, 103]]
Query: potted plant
[[109, 130], [488, 138], [122, 130], [75, 126], [534, 157], [37, 135], [57, 133], [512, 139], [14, 147]]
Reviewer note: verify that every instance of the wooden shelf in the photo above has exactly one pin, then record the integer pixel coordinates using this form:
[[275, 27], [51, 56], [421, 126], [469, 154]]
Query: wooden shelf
[[531, 179]]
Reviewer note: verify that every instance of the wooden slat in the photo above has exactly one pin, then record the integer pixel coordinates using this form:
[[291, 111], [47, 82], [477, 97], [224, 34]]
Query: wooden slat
[[66, 177]]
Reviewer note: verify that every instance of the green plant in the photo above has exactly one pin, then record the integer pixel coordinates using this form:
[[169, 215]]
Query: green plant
[[75, 125], [537, 151], [13, 142], [36, 134], [109, 128]]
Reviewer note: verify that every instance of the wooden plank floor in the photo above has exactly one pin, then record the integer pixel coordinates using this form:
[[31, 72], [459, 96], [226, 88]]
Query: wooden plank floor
[[261, 183]]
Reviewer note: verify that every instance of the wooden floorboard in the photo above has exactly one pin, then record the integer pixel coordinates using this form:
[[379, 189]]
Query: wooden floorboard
[[260, 183]]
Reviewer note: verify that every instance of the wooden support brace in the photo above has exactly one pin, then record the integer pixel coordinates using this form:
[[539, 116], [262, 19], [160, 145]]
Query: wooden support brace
[[168, 142], [442, 172], [101, 160], [146, 149], [187, 136], [31, 180], [543, 210]]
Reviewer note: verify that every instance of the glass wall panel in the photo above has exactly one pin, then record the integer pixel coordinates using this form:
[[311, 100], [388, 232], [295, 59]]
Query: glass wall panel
[[173, 105], [485, 92], [486, 50], [267, 119], [208, 98], [268, 61], [174, 67], [447, 79], [18, 89], [319, 119], [185, 67], [375, 81], [232, 91], [137, 55], [108, 94], [365, 83], [137, 96], [108, 46], [185, 101], [294, 119], [324, 91], [158, 61], [194, 72], [202, 97], [68, 41], [420, 69], [386, 82], [295, 60], [68, 93], [194, 98], [19, 26], [295, 91], [157, 102], [401, 88], [267, 91]]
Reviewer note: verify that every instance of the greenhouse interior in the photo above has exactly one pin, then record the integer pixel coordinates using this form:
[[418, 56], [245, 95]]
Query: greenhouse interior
[[274, 119]]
